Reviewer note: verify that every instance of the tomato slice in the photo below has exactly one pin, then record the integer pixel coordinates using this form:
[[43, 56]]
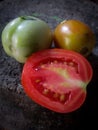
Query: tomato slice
[[57, 79]]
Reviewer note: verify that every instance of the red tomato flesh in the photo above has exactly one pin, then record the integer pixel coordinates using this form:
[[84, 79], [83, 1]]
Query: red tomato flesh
[[57, 79]]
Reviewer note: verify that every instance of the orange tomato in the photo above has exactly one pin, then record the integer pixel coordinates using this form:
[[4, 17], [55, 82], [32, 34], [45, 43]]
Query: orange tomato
[[74, 35]]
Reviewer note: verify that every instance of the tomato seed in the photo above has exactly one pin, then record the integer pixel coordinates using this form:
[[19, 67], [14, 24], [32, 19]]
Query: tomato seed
[[71, 64], [42, 66], [62, 97], [44, 84], [56, 95], [51, 63], [36, 69], [45, 91], [65, 63], [37, 80], [55, 61]]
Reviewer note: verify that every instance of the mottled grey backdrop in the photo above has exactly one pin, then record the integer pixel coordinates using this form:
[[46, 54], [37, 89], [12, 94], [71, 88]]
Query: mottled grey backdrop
[[17, 111]]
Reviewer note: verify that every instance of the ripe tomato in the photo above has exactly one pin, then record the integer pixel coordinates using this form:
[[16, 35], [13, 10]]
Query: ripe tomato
[[57, 79], [74, 35]]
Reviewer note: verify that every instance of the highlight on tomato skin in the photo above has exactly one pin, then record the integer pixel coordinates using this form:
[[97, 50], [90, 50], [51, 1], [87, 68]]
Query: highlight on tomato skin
[[57, 79]]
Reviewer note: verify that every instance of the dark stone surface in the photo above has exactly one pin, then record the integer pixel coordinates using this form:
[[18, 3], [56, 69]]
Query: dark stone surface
[[17, 111]]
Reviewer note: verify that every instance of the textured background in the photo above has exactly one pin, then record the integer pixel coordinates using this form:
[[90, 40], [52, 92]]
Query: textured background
[[17, 111]]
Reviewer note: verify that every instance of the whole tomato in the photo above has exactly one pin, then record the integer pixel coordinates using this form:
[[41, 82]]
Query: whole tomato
[[74, 35], [25, 35]]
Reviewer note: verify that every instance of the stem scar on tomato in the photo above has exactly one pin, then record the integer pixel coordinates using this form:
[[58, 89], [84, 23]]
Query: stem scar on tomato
[[57, 79]]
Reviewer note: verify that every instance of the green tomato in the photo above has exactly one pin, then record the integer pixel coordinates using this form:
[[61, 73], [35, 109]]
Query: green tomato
[[24, 35]]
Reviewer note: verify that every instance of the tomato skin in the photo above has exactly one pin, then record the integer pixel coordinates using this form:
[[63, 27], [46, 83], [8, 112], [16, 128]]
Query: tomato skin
[[25, 35], [74, 35], [75, 90]]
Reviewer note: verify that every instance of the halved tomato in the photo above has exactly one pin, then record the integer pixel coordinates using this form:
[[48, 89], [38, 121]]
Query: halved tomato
[[57, 79]]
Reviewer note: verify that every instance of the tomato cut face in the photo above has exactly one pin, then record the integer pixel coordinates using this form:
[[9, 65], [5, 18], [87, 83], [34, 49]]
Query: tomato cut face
[[57, 79]]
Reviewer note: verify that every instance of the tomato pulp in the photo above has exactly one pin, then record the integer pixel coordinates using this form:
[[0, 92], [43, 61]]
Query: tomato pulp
[[57, 79]]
